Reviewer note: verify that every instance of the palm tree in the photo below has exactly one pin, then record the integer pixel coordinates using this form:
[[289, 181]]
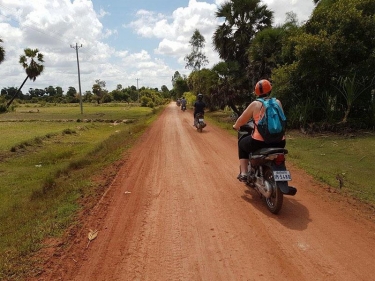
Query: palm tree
[[2, 53], [242, 20], [33, 68]]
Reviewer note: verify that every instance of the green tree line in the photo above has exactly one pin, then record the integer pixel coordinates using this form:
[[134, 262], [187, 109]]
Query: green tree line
[[323, 70]]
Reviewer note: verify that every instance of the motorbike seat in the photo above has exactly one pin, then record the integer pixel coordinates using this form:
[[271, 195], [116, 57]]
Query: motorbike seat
[[271, 150]]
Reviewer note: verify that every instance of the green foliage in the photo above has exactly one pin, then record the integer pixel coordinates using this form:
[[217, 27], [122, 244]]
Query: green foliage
[[265, 52], [3, 108], [351, 90], [31, 61], [180, 86], [196, 59], [242, 20], [190, 98], [336, 42], [145, 101], [2, 52], [203, 81]]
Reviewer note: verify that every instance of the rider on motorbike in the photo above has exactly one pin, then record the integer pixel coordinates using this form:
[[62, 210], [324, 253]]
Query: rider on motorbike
[[199, 107], [255, 141], [183, 103]]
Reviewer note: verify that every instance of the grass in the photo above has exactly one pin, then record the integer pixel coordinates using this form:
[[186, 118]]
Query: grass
[[49, 159], [72, 112], [333, 159], [47, 171], [328, 157]]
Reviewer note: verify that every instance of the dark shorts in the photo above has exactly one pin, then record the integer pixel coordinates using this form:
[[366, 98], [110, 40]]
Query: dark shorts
[[247, 145]]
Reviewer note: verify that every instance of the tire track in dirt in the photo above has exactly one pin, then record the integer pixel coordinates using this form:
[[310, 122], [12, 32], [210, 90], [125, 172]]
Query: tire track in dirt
[[176, 212]]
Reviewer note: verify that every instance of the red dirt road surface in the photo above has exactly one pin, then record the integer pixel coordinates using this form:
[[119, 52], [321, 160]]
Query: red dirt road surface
[[175, 211]]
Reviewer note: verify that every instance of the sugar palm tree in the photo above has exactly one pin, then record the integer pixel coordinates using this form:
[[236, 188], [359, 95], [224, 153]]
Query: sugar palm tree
[[2, 52], [242, 20], [31, 62]]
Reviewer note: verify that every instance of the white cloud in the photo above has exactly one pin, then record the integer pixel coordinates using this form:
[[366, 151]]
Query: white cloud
[[302, 8], [53, 26], [176, 31]]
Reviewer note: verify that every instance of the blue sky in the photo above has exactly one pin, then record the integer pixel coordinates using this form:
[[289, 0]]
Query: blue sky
[[122, 41]]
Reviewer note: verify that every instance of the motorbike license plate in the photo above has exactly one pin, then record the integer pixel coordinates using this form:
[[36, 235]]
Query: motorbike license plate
[[282, 176], [201, 120]]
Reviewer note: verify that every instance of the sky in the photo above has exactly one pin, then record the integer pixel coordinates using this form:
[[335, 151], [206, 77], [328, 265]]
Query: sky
[[138, 43]]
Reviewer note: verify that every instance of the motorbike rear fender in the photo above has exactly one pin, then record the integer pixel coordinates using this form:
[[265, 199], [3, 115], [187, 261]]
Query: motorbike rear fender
[[283, 185]]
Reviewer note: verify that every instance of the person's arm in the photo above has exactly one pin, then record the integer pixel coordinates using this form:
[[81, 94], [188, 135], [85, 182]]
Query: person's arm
[[245, 116]]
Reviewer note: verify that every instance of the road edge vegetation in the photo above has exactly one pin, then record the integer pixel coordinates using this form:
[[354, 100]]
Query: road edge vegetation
[[344, 162], [51, 208]]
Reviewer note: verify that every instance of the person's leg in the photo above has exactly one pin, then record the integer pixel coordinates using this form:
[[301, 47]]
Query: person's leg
[[243, 154], [244, 163]]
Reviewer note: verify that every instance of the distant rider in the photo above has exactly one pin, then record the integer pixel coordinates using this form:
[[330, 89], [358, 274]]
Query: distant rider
[[183, 103], [199, 107]]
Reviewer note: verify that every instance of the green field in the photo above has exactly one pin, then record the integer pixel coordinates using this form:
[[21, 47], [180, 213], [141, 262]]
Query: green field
[[48, 158]]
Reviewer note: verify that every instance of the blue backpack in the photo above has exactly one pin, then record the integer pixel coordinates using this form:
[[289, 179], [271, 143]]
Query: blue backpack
[[272, 124]]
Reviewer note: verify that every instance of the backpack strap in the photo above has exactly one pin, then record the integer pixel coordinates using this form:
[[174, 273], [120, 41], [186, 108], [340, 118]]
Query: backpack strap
[[262, 101]]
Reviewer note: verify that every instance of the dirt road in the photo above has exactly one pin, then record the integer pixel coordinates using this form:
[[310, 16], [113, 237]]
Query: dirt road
[[176, 212]]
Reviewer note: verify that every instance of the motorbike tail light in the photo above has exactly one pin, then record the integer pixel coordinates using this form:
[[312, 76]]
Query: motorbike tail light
[[279, 159]]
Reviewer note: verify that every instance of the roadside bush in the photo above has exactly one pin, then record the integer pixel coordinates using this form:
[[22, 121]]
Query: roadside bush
[[145, 101], [3, 108]]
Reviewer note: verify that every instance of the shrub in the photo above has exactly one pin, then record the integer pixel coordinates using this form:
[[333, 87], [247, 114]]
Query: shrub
[[3, 108]]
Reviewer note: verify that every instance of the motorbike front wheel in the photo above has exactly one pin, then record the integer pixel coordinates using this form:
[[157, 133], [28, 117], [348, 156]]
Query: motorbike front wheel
[[275, 201]]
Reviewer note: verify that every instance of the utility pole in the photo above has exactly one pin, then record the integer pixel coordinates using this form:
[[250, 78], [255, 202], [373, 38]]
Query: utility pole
[[76, 47], [138, 88]]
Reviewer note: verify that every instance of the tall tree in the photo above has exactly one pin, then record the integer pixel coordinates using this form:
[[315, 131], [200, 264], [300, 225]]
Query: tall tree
[[98, 89], [31, 61], [2, 52], [337, 41], [175, 76], [242, 20], [51, 91], [265, 52], [72, 92], [196, 59], [181, 86]]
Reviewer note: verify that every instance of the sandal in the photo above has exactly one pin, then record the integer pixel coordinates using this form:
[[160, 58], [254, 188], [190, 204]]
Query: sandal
[[242, 178]]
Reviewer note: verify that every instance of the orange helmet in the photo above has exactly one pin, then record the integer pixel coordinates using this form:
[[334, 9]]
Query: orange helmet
[[263, 87]]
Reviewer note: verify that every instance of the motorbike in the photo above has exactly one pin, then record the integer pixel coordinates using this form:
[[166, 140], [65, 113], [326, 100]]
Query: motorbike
[[183, 107], [199, 122], [267, 173]]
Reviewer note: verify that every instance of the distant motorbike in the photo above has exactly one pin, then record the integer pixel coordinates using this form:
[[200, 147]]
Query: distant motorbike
[[267, 173], [183, 107], [199, 122]]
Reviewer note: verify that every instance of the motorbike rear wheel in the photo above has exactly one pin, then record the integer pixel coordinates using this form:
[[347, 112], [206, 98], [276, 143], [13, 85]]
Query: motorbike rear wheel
[[275, 201]]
